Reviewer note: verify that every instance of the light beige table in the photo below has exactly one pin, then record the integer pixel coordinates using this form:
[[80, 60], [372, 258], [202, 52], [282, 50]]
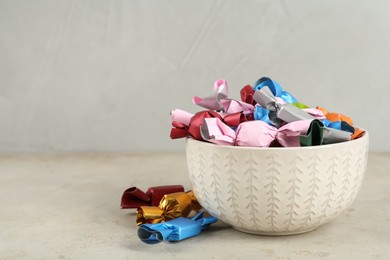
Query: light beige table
[[67, 207]]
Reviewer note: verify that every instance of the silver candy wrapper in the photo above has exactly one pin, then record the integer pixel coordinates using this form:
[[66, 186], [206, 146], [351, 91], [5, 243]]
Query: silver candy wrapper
[[290, 113]]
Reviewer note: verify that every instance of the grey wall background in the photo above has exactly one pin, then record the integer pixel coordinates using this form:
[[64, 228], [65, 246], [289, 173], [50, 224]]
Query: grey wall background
[[104, 75]]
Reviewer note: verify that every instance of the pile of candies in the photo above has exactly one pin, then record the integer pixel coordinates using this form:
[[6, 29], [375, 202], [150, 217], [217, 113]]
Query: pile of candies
[[266, 116], [164, 213]]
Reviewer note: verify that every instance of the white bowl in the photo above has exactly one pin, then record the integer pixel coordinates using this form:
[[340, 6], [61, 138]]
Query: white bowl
[[276, 191]]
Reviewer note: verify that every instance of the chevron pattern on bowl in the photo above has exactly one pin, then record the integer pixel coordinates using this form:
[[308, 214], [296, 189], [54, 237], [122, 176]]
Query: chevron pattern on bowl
[[277, 191]]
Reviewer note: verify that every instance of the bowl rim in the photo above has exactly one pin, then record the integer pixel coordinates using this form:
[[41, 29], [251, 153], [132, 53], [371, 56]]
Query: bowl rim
[[299, 148]]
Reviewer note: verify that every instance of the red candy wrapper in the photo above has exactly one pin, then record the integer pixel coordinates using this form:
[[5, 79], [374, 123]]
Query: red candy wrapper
[[134, 197]]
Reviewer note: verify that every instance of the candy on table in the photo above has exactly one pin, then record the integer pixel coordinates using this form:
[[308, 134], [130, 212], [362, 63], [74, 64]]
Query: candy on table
[[174, 230], [134, 197], [171, 206]]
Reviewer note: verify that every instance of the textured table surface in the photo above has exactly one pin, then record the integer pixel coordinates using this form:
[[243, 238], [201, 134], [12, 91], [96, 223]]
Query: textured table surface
[[67, 207]]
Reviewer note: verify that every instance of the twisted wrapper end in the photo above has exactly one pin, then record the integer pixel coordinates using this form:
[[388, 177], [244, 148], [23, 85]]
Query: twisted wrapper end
[[171, 206], [150, 214], [174, 230], [213, 102], [134, 197]]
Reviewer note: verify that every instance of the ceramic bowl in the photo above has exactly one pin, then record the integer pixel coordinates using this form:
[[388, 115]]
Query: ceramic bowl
[[276, 191]]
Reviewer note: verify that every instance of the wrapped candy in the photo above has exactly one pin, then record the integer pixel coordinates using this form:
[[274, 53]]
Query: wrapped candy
[[185, 124], [171, 206], [290, 113], [184, 128], [275, 88], [358, 133], [134, 197], [266, 101], [314, 113], [315, 134], [219, 101], [231, 106], [174, 230], [260, 134], [235, 119], [214, 102], [334, 117], [340, 121], [282, 111], [340, 125], [261, 113], [246, 94], [320, 113], [181, 116]]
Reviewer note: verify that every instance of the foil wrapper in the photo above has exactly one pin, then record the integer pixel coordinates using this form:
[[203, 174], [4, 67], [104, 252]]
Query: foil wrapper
[[275, 88], [174, 230], [134, 197], [246, 94], [290, 113], [219, 101], [340, 121], [171, 206], [191, 127], [213, 102], [150, 214], [358, 133], [260, 134], [176, 205], [334, 117]]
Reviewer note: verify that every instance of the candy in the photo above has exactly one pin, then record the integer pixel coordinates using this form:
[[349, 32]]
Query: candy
[[181, 128], [181, 116], [266, 116], [171, 206], [260, 134], [286, 112], [134, 197], [246, 94], [290, 113], [341, 125], [275, 88], [219, 101], [174, 230], [314, 136], [358, 133], [192, 129], [343, 122], [214, 102], [334, 117], [261, 113], [231, 106]]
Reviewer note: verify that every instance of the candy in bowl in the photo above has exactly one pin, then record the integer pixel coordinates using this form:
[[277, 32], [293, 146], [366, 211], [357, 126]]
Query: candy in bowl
[[268, 164]]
